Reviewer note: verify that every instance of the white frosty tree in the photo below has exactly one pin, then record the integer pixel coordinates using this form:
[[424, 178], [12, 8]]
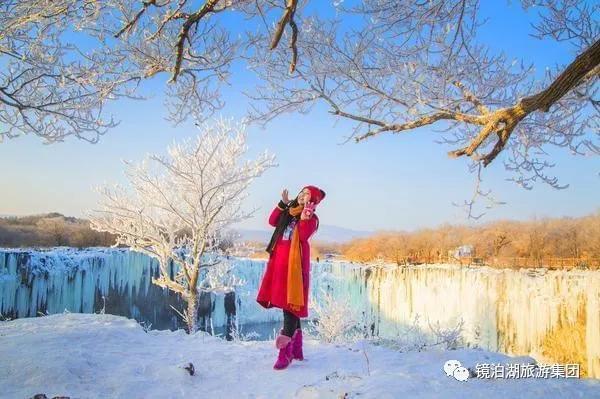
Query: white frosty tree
[[177, 208], [335, 319]]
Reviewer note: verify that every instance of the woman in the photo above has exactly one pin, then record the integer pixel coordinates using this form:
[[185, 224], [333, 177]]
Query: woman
[[286, 279]]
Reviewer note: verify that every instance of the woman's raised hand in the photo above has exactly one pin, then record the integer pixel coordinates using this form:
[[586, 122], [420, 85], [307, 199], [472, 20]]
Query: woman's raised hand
[[285, 196], [307, 211]]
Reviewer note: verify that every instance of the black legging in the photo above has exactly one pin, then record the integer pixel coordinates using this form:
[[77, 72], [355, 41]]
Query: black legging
[[290, 323]]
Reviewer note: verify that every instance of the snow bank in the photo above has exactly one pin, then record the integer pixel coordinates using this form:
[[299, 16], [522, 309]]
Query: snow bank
[[106, 356]]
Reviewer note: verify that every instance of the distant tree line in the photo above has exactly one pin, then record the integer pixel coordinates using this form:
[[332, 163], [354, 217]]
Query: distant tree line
[[50, 230], [57, 230], [536, 240]]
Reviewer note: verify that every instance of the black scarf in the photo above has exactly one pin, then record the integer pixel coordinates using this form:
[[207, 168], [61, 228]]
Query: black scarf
[[284, 219]]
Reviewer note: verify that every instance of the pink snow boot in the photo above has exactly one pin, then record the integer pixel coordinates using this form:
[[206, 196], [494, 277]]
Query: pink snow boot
[[297, 345], [284, 344]]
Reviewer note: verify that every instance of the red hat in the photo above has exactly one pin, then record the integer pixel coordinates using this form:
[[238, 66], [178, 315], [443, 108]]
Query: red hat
[[316, 194]]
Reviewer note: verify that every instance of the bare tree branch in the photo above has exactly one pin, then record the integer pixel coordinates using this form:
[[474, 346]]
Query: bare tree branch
[[411, 64]]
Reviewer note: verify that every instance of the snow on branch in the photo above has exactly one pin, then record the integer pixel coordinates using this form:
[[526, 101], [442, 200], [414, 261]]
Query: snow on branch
[[414, 66], [52, 88], [64, 61], [335, 321]]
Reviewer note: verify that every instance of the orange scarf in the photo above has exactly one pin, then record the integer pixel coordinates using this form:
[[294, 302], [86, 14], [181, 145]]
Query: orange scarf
[[295, 292]]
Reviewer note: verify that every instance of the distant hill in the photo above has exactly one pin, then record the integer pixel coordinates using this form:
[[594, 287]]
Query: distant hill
[[50, 230], [55, 229], [326, 233]]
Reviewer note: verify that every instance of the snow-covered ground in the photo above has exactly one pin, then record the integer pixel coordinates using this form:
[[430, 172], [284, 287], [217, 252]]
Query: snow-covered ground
[[106, 356]]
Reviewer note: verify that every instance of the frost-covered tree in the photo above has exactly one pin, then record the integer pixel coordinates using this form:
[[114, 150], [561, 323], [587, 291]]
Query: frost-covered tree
[[177, 207], [405, 65], [335, 319], [64, 60]]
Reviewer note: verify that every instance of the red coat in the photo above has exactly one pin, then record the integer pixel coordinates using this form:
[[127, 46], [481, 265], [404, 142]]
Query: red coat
[[273, 287]]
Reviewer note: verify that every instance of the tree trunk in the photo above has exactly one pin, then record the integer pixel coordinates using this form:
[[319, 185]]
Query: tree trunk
[[192, 311]]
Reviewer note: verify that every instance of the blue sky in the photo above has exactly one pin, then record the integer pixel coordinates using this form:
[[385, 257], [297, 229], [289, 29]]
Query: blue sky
[[401, 182]]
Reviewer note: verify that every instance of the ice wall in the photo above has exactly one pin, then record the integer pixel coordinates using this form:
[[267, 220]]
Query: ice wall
[[34, 282], [510, 311], [51, 281]]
